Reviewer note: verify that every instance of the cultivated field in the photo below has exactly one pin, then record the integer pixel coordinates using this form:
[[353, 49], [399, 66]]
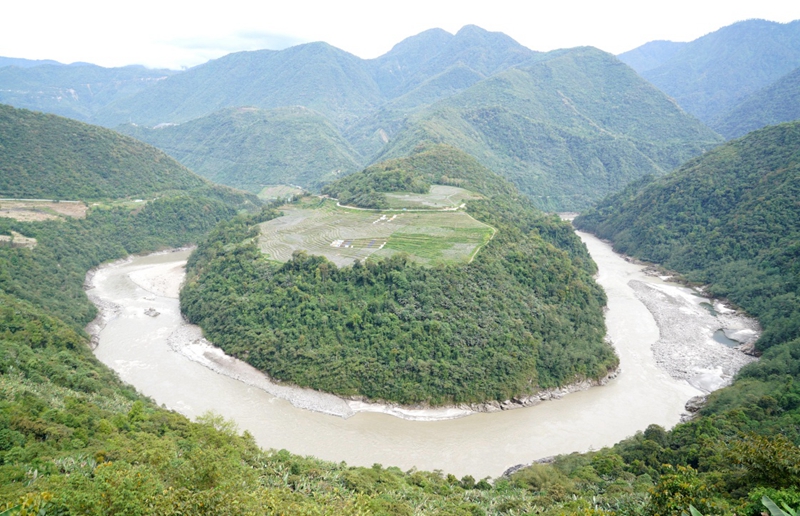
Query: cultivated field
[[440, 196], [31, 211], [344, 235]]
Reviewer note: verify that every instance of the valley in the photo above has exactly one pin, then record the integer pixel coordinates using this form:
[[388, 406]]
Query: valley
[[321, 284]]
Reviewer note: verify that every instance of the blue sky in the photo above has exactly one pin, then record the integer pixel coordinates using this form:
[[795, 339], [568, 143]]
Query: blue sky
[[178, 33]]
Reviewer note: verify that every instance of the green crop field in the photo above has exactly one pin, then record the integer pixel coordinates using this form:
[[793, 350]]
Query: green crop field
[[343, 235]]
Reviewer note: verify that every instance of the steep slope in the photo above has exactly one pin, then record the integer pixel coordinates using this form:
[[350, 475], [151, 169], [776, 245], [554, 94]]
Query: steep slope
[[711, 74], [315, 75], [76, 91], [729, 218], [778, 102], [47, 156], [650, 55], [248, 147], [566, 129]]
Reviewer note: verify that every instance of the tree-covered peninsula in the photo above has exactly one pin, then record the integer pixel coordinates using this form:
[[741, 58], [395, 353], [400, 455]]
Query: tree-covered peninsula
[[522, 316]]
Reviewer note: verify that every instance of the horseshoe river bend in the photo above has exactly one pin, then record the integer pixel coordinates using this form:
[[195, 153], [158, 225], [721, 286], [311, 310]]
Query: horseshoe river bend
[[664, 335]]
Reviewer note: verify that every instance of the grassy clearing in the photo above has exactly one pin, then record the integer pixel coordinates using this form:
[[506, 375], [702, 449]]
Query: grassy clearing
[[271, 192], [344, 235]]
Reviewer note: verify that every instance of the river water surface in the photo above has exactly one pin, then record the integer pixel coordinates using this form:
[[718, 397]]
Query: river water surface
[[136, 346]]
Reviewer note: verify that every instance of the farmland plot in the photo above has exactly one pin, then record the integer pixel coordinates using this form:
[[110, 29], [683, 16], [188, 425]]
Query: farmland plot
[[343, 235]]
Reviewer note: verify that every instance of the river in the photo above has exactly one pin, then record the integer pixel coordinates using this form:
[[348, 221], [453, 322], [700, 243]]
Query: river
[[137, 347]]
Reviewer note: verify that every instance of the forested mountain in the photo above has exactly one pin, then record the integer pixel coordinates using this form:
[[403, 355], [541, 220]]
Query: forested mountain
[[522, 316], [650, 55], [249, 147], [711, 74], [78, 91], [778, 102], [47, 156], [567, 128]]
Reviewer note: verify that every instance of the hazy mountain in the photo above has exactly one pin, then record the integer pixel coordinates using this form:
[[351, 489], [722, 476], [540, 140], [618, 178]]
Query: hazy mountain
[[476, 49], [48, 156], [711, 74], [778, 102], [566, 129], [76, 91], [315, 75], [248, 147], [26, 63], [650, 55]]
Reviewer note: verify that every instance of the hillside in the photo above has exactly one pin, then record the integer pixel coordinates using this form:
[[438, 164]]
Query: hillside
[[46, 156], [78, 91], [712, 74], [523, 314], [779, 102], [568, 128], [248, 148]]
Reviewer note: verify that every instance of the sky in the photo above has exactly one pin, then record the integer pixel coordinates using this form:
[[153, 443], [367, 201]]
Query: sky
[[180, 33]]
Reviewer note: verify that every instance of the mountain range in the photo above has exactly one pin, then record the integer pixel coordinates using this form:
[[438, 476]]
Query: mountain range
[[566, 126], [711, 75]]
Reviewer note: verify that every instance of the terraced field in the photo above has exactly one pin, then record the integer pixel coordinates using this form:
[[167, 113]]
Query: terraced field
[[344, 235]]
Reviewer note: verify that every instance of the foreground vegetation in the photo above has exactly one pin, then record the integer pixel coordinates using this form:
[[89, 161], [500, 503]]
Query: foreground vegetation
[[524, 315]]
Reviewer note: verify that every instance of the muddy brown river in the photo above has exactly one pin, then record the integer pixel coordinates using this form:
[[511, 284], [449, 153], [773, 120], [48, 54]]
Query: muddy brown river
[[141, 348]]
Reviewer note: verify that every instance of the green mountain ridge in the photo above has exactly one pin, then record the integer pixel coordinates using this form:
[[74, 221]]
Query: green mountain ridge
[[555, 123], [248, 148], [779, 102], [713, 73]]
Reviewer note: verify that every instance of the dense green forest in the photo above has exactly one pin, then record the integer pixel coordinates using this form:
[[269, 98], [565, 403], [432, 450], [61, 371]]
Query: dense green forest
[[248, 148], [523, 316], [779, 102], [47, 156]]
